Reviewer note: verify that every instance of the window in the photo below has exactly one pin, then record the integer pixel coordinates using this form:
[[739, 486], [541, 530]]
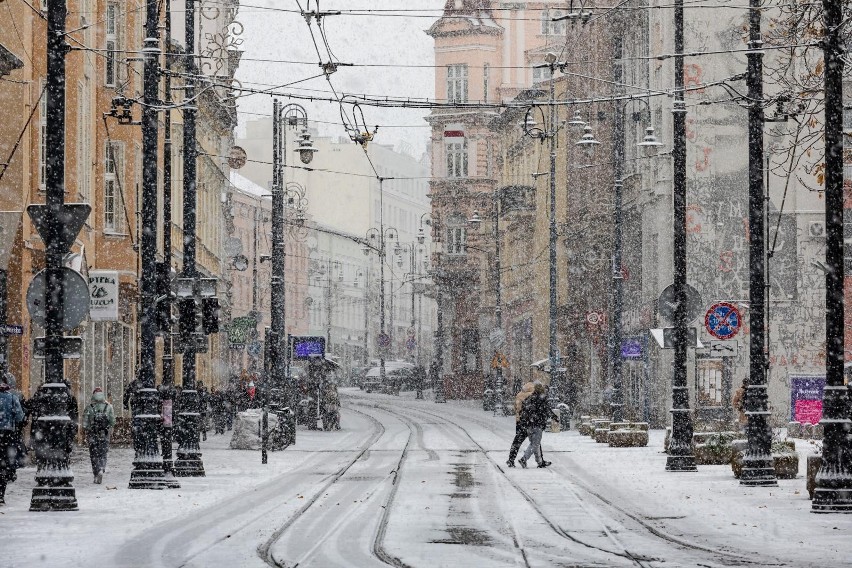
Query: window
[[485, 76], [541, 74], [456, 236], [847, 127], [548, 26], [112, 45], [84, 141], [42, 133], [113, 161], [457, 83], [457, 159]]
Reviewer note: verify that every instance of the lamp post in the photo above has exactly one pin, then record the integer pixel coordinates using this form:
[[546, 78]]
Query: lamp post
[[476, 221], [588, 143], [380, 234], [284, 194], [833, 492], [758, 468], [650, 142], [189, 462], [680, 457]]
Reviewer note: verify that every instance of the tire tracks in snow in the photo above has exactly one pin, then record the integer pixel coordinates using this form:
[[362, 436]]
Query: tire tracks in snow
[[378, 550]]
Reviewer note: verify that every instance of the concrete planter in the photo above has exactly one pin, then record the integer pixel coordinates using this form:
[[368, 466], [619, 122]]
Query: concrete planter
[[814, 463]]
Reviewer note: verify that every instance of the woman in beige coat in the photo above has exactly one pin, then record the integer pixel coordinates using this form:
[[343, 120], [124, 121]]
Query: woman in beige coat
[[520, 431]]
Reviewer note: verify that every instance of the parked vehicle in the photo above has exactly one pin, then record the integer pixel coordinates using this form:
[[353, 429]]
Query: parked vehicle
[[399, 375]]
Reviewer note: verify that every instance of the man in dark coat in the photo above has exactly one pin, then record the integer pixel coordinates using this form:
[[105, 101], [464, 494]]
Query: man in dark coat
[[535, 413]]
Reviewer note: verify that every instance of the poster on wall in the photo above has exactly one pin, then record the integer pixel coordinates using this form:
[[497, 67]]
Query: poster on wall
[[806, 398], [103, 295]]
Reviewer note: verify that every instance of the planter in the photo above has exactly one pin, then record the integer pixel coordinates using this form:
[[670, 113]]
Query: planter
[[814, 463], [786, 465], [627, 438], [601, 435], [713, 454]]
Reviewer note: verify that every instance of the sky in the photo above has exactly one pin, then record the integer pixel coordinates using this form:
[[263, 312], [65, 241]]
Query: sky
[[270, 32]]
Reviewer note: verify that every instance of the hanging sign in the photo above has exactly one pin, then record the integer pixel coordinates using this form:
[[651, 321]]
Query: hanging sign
[[103, 295]]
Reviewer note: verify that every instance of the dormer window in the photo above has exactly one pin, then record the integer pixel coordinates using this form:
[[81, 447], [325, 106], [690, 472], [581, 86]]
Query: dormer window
[[548, 26]]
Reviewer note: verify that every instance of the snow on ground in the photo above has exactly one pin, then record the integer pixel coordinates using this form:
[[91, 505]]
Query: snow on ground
[[414, 483]]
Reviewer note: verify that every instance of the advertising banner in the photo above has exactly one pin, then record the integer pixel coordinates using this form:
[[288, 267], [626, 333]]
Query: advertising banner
[[806, 398], [103, 295]]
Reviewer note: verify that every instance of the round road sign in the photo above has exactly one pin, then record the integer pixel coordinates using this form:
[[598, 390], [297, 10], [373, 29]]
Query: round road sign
[[723, 320], [383, 340], [593, 318], [75, 308]]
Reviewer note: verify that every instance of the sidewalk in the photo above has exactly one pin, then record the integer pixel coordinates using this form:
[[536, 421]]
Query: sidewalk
[[708, 506]]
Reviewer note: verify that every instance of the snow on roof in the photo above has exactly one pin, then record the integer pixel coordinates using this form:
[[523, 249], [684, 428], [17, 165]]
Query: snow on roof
[[247, 186]]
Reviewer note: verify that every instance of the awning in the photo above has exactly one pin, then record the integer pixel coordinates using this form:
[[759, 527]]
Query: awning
[[8, 61]]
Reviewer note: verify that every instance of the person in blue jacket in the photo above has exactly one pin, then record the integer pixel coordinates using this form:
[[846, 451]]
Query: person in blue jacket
[[11, 415]]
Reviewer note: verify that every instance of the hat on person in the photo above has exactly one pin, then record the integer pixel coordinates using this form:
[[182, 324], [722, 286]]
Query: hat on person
[[97, 390]]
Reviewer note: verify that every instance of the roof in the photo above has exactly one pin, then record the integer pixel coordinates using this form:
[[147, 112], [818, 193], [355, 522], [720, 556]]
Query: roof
[[247, 186]]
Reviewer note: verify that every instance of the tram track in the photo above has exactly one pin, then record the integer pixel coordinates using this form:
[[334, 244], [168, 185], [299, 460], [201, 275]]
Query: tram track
[[265, 551], [729, 557], [627, 555]]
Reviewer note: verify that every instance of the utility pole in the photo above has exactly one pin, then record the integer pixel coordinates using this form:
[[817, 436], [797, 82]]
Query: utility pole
[[680, 456], [147, 465], [167, 389], [189, 463], [833, 492], [617, 402], [758, 468], [553, 351], [53, 430]]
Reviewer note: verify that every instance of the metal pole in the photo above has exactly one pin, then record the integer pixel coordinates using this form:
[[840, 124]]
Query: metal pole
[[278, 268], [54, 477], [147, 464], [552, 351], [758, 468], [328, 308], [617, 402], [834, 481], [499, 388], [680, 456], [189, 463], [382, 334], [167, 390]]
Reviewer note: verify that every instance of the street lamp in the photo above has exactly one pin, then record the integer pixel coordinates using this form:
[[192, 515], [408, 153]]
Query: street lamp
[[380, 234], [289, 196], [588, 142], [476, 221], [681, 457], [648, 144]]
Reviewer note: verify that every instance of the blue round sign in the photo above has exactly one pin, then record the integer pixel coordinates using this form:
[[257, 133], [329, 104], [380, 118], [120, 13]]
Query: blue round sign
[[723, 320]]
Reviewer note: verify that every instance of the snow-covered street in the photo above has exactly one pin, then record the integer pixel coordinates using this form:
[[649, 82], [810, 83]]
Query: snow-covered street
[[412, 483]]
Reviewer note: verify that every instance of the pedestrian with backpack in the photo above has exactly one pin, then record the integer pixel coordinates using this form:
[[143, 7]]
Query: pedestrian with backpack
[[98, 422]]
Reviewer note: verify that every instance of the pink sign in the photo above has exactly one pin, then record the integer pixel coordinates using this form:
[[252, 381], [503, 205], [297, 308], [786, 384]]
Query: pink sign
[[808, 411]]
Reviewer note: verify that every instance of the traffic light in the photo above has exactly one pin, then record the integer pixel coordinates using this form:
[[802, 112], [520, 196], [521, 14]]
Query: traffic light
[[186, 318], [164, 292], [210, 315]]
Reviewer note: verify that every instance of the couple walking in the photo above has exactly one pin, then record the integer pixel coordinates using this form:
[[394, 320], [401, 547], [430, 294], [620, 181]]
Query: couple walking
[[532, 412]]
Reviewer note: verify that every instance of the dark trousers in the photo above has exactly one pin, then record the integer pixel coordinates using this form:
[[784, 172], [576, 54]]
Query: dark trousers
[[520, 435], [98, 449]]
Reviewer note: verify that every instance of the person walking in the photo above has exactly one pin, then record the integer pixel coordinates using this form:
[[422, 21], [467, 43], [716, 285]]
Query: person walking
[[535, 413], [217, 408], [203, 404], [11, 416], [98, 423], [520, 429]]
